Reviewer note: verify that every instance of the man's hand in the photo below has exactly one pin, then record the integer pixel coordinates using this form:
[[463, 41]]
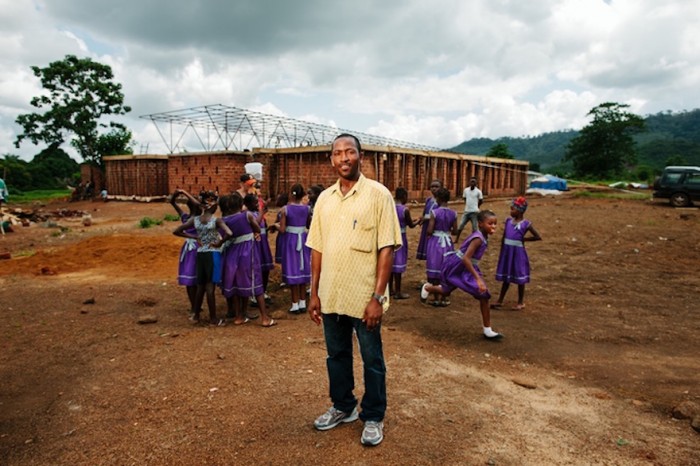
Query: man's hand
[[373, 314], [314, 309]]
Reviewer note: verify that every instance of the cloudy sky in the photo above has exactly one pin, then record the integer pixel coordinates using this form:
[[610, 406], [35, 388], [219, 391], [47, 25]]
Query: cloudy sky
[[434, 72]]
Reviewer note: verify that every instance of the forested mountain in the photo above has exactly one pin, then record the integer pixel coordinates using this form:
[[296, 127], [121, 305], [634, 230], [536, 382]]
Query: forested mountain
[[673, 137]]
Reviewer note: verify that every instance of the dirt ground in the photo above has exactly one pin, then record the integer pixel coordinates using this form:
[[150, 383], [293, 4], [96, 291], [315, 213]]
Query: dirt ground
[[588, 373]]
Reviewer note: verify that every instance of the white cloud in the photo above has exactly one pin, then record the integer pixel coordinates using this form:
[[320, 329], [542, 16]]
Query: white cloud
[[434, 73]]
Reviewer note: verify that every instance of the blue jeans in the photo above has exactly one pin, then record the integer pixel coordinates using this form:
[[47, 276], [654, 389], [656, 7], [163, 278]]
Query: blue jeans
[[468, 217], [338, 332]]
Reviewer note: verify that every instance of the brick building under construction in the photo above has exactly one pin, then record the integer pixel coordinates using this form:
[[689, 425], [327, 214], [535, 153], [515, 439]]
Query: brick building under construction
[[293, 151]]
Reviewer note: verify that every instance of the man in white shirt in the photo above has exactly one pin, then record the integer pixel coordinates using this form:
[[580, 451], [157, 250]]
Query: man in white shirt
[[474, 198]]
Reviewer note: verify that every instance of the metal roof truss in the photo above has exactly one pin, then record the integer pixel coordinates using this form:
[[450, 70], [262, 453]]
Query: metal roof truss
[[221, 127]]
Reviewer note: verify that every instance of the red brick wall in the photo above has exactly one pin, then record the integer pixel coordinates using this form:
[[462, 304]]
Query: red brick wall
[[308, 168], [93, 174], [216, 172], [220, 171], [136, 176]]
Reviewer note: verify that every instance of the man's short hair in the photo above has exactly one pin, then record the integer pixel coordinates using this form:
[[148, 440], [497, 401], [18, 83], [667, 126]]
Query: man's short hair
[[245, 177], [348, 135]]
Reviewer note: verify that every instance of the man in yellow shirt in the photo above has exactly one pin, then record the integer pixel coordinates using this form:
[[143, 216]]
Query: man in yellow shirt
[[353, 234]]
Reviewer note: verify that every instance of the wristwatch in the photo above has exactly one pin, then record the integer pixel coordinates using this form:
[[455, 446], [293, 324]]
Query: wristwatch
[[380, 298]]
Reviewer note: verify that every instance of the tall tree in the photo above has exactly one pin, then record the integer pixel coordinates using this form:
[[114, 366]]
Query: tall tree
[[80, 93], [116, 142], [605, 145], [500, 150]]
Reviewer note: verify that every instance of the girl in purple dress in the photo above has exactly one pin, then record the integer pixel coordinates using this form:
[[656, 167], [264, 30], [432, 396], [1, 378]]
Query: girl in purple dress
[[513, 263], [241, 273], [401, 254], [208, 262], [296, 256], [460, 269], [441, 226], [186, 271], [281, 201], [430, 205], [252, 204]]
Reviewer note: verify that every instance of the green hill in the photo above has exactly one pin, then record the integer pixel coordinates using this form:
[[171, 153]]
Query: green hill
[[674, 136]]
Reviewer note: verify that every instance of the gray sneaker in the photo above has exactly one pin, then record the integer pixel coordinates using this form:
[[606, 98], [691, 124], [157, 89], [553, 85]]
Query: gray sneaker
[[333, 417], [373, 433]]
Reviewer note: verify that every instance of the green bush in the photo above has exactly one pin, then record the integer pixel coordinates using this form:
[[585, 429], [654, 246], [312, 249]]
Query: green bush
[[172, 218], [148, 222]]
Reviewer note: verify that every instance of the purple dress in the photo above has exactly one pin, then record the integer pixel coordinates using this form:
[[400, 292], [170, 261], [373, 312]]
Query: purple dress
[[456, 275], [440, 242], [513, 263], [296, 256], [241, 275], [266, 261], [430, 205], [278, 241], [401, 254], [186, 270]]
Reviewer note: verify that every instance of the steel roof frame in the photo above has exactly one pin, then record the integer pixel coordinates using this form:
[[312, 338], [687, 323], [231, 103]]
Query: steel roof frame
[[229, 125]]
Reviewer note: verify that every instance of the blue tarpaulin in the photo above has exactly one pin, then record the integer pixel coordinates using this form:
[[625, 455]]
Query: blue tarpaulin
[[549, 182]]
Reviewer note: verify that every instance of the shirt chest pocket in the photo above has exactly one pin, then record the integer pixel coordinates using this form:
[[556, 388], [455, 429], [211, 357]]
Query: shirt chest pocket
[[364, 234]]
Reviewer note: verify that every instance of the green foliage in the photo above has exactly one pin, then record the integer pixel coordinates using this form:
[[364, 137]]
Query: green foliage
[[657, 151], [680, 126], [676, 160], [611, 195], [500, 151], [670, 136], [562, 170], [148, 222], [171, 218], [80, 92], [16, 174], [546, 149], [53, 168], [605, 145], [644, 173], [670, 139], [39, 195], [50, 169], [116, 142]]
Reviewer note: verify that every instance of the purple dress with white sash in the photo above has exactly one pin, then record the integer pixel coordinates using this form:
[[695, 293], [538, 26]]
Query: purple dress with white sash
[[296, 256], [186, 269], [513, 263], [242, 275], [266, 260], [440, 242], [455, 274], [430, 205]]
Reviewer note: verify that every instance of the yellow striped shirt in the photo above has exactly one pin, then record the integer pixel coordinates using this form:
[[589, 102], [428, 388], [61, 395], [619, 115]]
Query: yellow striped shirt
[[349, 231]]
